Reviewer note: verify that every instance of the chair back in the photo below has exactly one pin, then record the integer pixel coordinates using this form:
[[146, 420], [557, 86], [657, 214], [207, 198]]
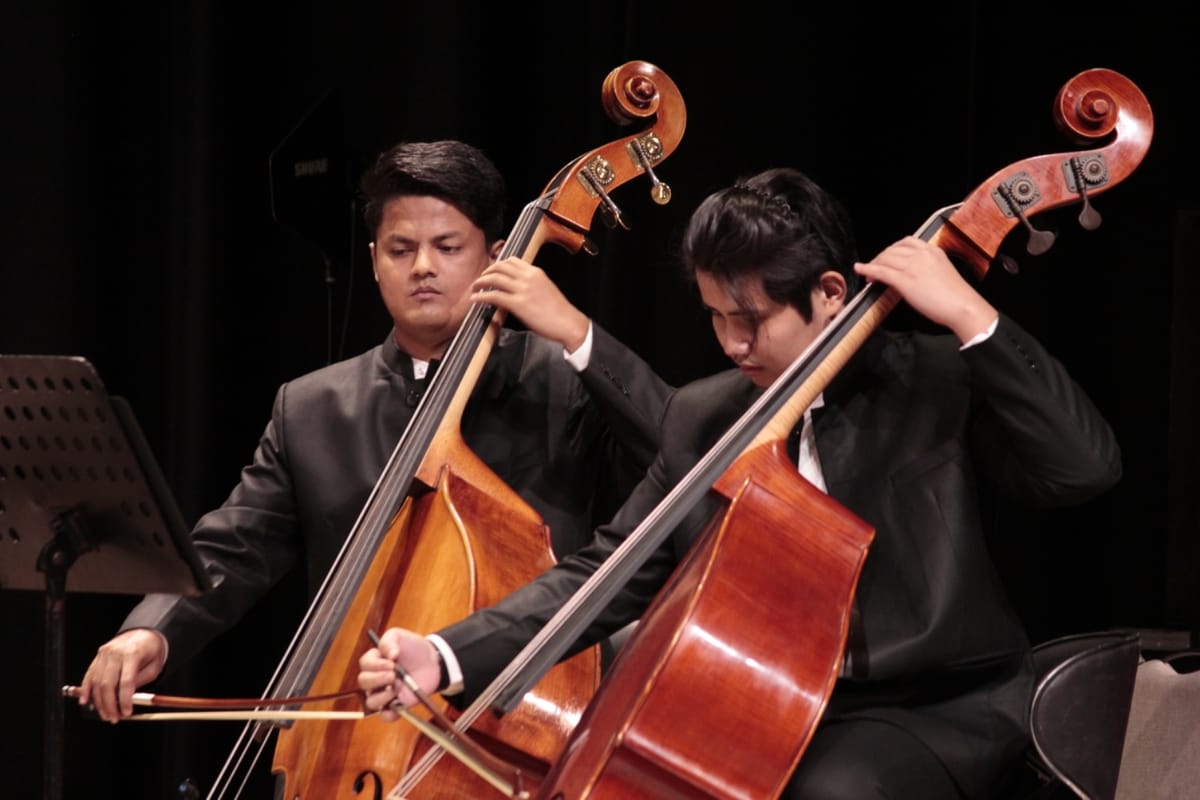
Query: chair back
[[1080, 708]]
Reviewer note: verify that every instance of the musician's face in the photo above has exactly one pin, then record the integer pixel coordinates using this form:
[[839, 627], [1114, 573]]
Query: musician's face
[[426, 254], [762, 336]]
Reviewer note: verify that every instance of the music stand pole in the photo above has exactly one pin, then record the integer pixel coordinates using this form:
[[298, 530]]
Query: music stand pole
[[70, 540], [80, 492]]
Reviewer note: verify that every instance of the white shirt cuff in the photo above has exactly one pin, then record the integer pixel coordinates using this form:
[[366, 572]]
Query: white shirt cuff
[[579, 359], [453, 670], [981, 337]]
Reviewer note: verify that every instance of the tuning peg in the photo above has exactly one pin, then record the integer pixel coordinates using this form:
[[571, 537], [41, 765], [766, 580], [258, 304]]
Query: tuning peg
[[1008, 263], [1039, 241], [611, 214], [1089, 218], [609, 211], [1018, 193], [1087, 173], [659, 191]]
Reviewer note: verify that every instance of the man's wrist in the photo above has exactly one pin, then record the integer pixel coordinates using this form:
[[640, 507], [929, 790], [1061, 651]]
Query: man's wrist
[[579, 357], [443, 672], [450, 678]]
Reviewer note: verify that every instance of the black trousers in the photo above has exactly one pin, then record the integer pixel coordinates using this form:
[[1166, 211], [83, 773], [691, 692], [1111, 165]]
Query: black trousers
[[866, 759]]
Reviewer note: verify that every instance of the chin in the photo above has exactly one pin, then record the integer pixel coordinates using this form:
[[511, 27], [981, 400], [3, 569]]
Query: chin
[[758, 377]]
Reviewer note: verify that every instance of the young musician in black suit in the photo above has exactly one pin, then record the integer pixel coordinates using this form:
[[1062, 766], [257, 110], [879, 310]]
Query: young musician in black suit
[[562, 412], [931, 702]]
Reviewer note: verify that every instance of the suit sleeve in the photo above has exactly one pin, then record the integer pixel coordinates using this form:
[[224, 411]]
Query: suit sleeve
[[1042, 438], [246, 545], [629, 396], [488, 640]]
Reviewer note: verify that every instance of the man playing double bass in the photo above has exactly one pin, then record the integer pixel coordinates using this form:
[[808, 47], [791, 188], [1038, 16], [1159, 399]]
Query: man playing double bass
[[933, 693], [563, 413]]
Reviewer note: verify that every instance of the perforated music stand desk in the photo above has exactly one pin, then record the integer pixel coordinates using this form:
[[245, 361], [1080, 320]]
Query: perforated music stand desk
[[80, 492]]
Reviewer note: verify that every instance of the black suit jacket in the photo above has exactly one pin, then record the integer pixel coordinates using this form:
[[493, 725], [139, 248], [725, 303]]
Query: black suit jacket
[[910, 429], [572, 444]]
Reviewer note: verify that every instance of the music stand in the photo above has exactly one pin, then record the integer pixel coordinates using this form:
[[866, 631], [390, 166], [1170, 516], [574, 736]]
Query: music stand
[[80, 491]]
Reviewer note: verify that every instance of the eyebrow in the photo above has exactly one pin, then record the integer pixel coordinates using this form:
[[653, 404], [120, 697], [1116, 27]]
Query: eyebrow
[[737, 312], [439, 239]]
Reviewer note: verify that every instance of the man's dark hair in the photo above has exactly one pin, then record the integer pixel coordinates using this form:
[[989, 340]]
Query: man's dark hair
[[449, 170], [779, 226]]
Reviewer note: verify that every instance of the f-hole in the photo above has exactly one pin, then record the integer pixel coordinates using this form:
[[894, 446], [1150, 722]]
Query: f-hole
[[360, 781]]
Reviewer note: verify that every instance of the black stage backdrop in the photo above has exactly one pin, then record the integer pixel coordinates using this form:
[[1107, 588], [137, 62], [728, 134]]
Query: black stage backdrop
[[138, 232]]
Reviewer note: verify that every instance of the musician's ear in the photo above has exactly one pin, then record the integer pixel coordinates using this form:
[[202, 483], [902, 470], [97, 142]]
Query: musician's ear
[[832, 291], [497, 246]]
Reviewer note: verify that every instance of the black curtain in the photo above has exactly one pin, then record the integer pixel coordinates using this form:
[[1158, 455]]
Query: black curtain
[[139, 232]]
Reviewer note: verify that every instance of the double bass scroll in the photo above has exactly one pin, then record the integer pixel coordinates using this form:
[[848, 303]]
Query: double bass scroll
[[1096, 106]]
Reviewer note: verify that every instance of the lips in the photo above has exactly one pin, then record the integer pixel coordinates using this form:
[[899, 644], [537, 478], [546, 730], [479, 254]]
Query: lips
[[751, 371]]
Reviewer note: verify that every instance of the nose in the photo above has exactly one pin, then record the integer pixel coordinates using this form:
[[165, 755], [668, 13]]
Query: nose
[[423, 263], [736, 347]]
